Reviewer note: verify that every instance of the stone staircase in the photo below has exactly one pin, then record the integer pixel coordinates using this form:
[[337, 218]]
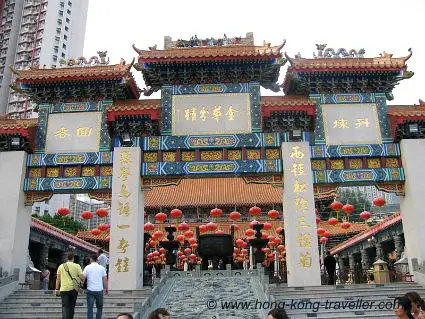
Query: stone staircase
[[341, 301], [35, 304]]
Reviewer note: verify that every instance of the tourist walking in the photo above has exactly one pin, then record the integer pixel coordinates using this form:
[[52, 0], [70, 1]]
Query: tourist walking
[[330, 265], [67, 278], [97, 285], [45, 278], [159, 313]]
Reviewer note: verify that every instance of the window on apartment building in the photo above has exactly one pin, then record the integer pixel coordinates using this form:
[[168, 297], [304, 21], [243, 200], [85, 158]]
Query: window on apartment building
[[62, 4], [64, 45], [65, 37], [63, 55], [61, 13], [66, 28], [67, 20], [59, 21], [55, 50], [68, 11], [70, 3]]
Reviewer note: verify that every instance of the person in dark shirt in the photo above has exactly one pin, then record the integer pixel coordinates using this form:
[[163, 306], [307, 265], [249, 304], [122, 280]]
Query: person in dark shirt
[[330, 265]]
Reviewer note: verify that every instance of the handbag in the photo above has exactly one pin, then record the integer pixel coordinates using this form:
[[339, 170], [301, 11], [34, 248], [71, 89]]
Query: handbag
[[76, 282]]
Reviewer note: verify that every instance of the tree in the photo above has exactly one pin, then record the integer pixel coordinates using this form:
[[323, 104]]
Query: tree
[[65, 223], [354, 197]]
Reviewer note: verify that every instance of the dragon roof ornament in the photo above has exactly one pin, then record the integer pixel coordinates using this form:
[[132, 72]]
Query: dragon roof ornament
[[81, 61], [323, 52]]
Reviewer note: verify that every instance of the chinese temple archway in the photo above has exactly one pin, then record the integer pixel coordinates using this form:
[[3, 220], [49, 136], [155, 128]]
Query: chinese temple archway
[[93, 135]]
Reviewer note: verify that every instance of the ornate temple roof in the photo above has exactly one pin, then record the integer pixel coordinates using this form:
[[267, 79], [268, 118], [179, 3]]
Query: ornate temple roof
[[19, 127], [387, 222], [406, 110], [149, 107], [50, 230], [211, 192], [335, 231], [209, 52]]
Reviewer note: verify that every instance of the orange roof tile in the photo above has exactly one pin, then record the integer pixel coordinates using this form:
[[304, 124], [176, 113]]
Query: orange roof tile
[[40, 74], [385, 62], [225, 226], [194, 53], [134, 107], [406, 110], [11, 124], [384, 224], [212, 191], [286, 100]]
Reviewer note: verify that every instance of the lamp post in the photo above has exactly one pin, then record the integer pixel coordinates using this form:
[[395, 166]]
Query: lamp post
[[170, 245], [258, 243]]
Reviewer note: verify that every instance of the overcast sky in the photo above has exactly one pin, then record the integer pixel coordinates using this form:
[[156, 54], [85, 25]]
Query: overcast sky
[[375, 25]]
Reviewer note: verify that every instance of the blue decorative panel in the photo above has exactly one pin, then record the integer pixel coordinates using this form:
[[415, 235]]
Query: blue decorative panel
[[210, 88], [95, 158], [43, 115], [77, 107], [367, 150], [378, 98], [358, 176], [167, 93], [156, 143], [68, 184], [211, 168]]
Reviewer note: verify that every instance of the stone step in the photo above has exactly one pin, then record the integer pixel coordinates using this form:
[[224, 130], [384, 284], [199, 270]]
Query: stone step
[[359, 292], [111, 315], [354, 286], [110, 293]]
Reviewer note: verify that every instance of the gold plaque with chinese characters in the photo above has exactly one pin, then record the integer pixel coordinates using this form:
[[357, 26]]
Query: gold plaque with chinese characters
[[73, 132], [351, 124], [211, 114]]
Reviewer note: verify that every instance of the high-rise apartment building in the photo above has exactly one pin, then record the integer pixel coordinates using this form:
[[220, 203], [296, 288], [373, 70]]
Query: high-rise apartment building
[[36, 33]]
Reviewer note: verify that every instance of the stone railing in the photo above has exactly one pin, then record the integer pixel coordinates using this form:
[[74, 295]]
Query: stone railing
[[8, 284], [5, 279]]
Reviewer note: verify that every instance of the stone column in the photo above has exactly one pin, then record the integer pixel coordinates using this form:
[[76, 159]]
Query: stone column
[[379, 251], [126, 243], [15, 218], [398, 243], [365, 259], [412, 204], [44, 256], [352, 263]]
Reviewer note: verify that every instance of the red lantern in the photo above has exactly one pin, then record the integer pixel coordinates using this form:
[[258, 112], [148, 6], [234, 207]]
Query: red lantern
[[192, 240], [87, 215], [162, 250], [179, 253], [348, 208], [277, 240], [108, 238], [320, 231], [324, 240], [194, 246], [203, 229], [333, 221], [63, 211], [266, 250], [183, 226], [273, 214], [103, 227], [327, 233], [153, 243], [281, 247], [156, 253], [254, 211], [267, 226], [318, 220], [149, 227], [365, 215], [379, 201], [180, 237], [150, 255], [316, 211], [161, 217], [249, 232], [101, 212], [235, 215], [279, 230], [158, 234], [188, 234], [244, 252], [254, 222], [192, 256], [345, 225], [176, 213], [95, 231], [216, 212], [211, 226], [187, 251], [240, 242], [264, 235], [336, 205]]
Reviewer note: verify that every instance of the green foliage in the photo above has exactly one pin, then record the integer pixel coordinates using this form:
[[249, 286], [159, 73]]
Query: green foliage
[[356, 198], [66, 223]]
